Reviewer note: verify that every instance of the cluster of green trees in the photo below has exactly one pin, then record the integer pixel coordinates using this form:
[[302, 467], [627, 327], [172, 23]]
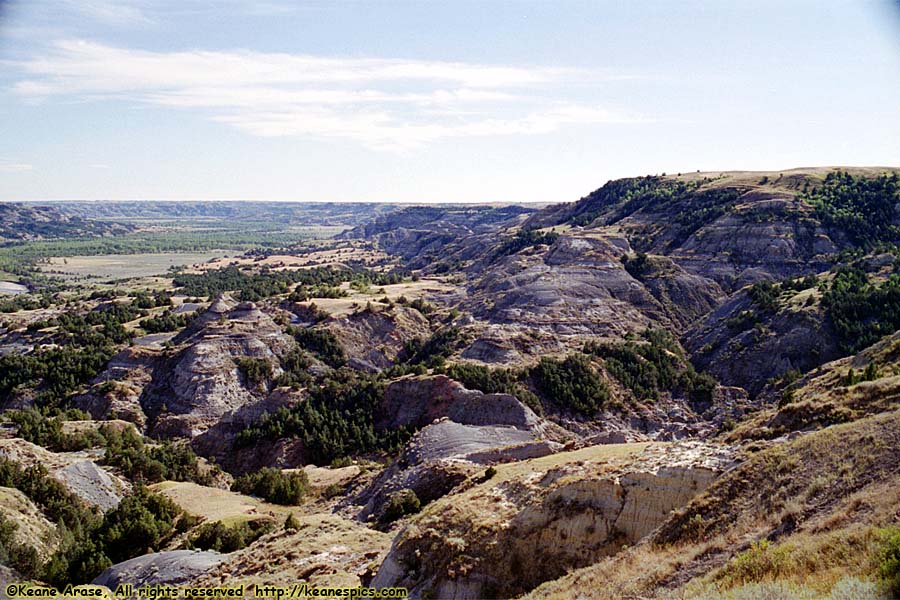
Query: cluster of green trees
[[571, 384], [765, 297], [84, 343], [322, 343], [274, 485], [255, 286], [420, 304], [433, 351], [399, 504], [656, 365], [858, 206], [294, 369], [168, 321], [149, 243], [19, 302], [256, 371], [126, 451], [223, 538], [697, 209], [525, 238], [48, 432], [638, 265], [336, 421], [632, 194], [302, 293], [146, 300], [494, 381], [861, 312], [54, 372], [307, 283]]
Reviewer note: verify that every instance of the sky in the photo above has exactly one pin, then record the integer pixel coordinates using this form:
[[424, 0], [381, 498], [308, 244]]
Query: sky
[[433, 101]]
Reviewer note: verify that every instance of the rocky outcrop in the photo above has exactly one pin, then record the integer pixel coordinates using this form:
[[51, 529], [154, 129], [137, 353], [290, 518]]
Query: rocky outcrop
[[200, 383], [116, 392], [460, 430], [418, 401], [539, 519], [732, 228], [576, 286], [375, 338], [426, 235], [176, 567], [29, 222]]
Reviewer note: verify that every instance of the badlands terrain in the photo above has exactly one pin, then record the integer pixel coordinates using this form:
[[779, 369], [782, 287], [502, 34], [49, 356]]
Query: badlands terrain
[[679, 386]]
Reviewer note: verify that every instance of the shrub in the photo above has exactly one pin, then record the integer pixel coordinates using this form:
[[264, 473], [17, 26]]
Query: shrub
[[399, 504], [222, 538], [256, 370], [291, 523], [333, 490], [274, 485], [20, 557], [321, 342], [889, 562]]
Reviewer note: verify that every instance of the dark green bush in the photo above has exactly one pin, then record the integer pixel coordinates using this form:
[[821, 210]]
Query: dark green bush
[[274, 485], [571, 384], [256, 370], [322, 343], [399, 504], [223, 538]]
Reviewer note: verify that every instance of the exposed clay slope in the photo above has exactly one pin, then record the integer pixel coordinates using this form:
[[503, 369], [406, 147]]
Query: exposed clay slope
[[200, 383], [537, 519], [816, 504], [373, 339], [78, 471], [827, 395], [32, 527]]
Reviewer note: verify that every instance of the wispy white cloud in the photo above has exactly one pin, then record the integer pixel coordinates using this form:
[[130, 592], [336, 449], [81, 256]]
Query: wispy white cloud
[[116, 12], [15, 167], [383, 103]]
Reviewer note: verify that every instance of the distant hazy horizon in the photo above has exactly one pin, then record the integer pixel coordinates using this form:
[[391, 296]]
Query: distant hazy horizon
[[451, 102]]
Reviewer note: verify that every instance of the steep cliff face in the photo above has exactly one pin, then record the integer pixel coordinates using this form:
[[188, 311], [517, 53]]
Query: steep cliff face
[[418, 401], [745, 345], [374, 338], [539, 518]]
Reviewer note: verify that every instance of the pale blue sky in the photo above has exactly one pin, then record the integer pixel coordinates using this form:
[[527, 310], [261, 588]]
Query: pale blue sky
[[433, 101]]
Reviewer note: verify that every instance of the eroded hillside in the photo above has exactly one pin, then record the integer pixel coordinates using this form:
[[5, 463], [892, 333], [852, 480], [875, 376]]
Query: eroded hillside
[[677, 386]]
